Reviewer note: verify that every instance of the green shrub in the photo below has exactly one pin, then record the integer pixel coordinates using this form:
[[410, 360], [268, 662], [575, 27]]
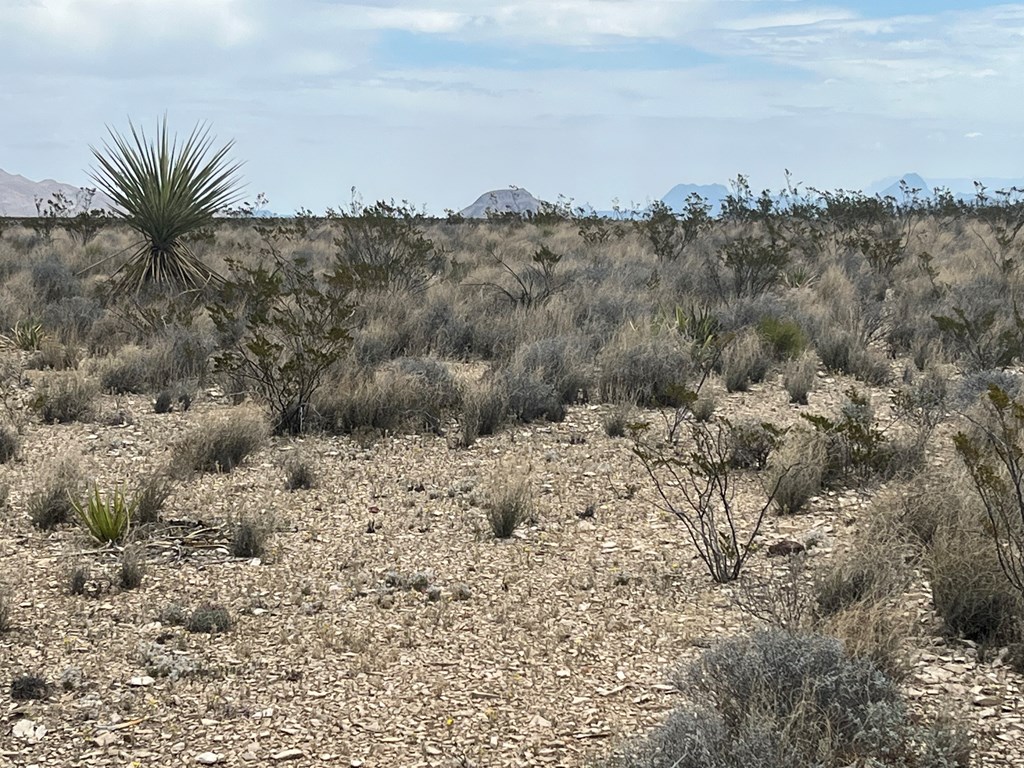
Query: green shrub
[[283, 326], [51, 505], [65, 397], [222, 441], [784, 338], [508, 508]]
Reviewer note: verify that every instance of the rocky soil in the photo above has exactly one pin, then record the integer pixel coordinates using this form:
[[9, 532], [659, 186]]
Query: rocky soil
[[386, 626]]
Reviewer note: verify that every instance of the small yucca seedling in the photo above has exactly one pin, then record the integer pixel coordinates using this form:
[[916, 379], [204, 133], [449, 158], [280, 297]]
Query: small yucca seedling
[[27, 337], [106, 519]]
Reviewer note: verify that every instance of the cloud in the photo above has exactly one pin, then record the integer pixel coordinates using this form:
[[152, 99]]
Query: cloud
[[973, 135]]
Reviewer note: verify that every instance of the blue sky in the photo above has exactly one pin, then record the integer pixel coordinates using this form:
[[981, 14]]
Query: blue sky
[[437, 101]]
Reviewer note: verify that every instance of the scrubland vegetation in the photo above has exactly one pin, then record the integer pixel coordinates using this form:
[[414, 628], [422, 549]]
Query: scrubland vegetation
[[377, 321]]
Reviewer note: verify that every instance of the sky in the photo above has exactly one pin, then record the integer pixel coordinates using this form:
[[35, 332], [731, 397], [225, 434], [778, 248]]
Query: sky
[[439, 101]]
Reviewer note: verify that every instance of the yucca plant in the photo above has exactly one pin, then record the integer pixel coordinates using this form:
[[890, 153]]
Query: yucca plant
[[166, 191], [106, 519]]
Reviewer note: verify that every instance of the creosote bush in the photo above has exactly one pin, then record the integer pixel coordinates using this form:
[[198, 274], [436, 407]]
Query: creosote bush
[[222, 441]]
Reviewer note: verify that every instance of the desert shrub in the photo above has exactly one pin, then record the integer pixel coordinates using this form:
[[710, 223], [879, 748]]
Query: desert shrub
[[65, 397], [282, 326], [876, 631], [969, 589], [52, 355], [751, 444], [651, 370], [784, 338], [249, 538], [6, 624], [780, 598], [508, 508], [222, 441], [776, 699], [696, 484], [616, 422], [131, 569], [798, 377], [703, 407], [71, 318], [10, 443], [972, 386], [744, 362], [299, 473], [485, 409], [545, 376], [798, 468], [404, 394], [151, 494], [127, 371], [210, 619], [923, 401], [50, 505], [53, 280], [28, 687], [842, 351], [857, 449]]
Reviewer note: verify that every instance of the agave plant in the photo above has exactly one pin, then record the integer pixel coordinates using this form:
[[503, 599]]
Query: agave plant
[[166, 191], [106, 519]]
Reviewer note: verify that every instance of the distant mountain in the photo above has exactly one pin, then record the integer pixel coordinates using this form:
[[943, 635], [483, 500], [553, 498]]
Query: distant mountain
[[18, 194], [513, 200], [961, 188], [714, 194]]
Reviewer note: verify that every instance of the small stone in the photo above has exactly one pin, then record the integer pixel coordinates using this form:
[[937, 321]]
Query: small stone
[[987, 701], [461, 591], [208, 758], [28, 730], [142, 681], [287, 754]]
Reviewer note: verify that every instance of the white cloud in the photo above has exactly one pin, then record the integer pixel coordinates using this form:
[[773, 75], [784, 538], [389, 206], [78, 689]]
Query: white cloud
[[973, 135]]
